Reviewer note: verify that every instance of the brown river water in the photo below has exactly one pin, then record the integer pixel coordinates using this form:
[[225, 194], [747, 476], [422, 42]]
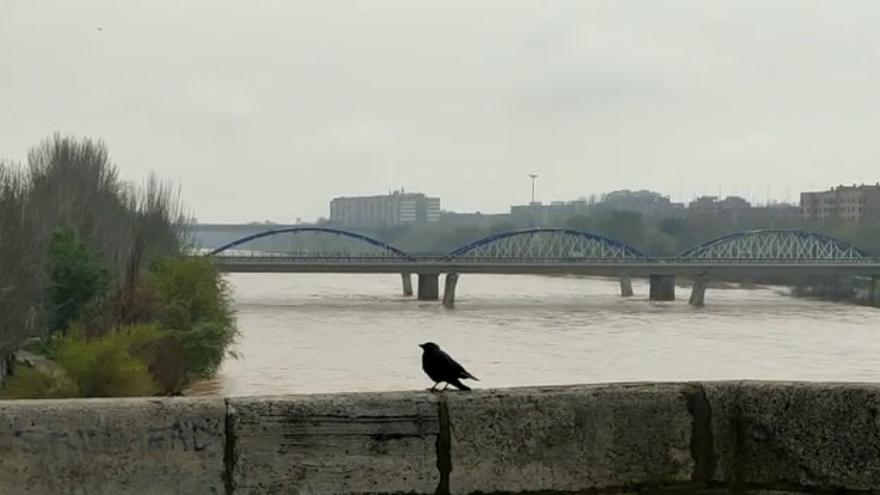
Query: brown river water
[[310, 333]]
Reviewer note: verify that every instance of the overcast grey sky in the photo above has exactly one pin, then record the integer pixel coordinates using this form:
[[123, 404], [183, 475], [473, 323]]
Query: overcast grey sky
[[265, 109]]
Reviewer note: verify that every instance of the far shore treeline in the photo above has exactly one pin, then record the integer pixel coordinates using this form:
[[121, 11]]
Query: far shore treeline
[[95, 282]]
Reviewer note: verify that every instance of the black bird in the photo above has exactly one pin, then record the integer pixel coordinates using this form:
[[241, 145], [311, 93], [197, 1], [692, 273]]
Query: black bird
[[440, 367]]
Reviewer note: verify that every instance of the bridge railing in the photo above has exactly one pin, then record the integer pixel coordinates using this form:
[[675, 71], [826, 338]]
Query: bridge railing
[[312, 259], [771, 261], [276, 258], [287, 259]]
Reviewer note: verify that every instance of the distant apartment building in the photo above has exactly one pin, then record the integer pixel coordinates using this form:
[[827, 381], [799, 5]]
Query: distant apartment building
[[396, 208], [713, 205], [777, 213], [841, 203], [647, 203], [477, 219], [642, 201], [553, 212]]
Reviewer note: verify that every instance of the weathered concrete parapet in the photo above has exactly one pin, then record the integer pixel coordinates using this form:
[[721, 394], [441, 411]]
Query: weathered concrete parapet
[[112, 446], [570, 439], [341, 443], [715, 437], [796, 436]]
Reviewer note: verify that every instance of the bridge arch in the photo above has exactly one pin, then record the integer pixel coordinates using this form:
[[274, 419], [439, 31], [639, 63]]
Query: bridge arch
[[381, 248], [775, 245], [546, 243]]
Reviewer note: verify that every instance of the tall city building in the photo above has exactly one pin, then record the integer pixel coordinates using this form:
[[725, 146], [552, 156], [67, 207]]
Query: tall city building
[[841, 203], [396, 208]]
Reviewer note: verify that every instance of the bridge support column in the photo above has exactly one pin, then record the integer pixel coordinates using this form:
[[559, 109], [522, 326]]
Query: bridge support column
[[662, 288], [449, 290], [698, 291], [407, 284], [429, 287], [626, 286], [875, 291]]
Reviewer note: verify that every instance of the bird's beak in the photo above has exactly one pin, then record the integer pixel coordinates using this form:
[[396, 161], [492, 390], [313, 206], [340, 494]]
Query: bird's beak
[[422, 346]]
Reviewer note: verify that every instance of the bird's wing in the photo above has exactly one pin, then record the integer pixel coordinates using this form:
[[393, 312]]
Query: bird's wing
[[453, 366]]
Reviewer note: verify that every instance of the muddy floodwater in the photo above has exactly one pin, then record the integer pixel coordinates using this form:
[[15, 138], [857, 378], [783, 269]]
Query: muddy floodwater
[[308, 333]]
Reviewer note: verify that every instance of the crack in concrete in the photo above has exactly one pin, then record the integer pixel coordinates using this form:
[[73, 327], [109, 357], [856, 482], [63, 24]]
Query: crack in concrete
[[444, 447], [702, 436], [229, 456]]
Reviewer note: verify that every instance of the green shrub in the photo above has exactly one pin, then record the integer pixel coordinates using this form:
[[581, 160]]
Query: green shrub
[[195, 305], [78, 280], [191, 330], [160, 351], [140, 359], [106, 366], [34, 383]]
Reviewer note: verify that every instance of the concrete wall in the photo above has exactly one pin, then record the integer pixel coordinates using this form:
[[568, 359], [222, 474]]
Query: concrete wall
[[754, 437], [150, 446]]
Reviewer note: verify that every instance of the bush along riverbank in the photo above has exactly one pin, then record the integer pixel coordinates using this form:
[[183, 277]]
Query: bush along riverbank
[[104, 293]]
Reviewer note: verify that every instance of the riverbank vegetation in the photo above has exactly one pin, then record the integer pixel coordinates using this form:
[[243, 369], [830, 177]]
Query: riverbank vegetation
[[94, 276]]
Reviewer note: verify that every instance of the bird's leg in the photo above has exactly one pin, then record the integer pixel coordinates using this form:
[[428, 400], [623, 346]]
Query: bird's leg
[[445, 386], [434, 388]]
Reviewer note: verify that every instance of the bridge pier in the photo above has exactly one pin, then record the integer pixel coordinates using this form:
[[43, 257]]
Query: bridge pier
[[626, 286], [698, 291], [662, 287], [875, 291], [407, 284], [449, 290], [429, 287]]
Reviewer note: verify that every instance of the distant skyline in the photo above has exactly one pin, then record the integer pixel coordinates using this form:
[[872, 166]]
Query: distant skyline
[[267, 109], [755, 202]]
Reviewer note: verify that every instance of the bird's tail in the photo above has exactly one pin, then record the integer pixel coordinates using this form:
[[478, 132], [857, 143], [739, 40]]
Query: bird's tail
[[457, 384], [468, 375]]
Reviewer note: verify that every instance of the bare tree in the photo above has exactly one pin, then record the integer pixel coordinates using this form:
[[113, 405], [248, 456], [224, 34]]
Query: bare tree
[[72, 183], [21, 274]]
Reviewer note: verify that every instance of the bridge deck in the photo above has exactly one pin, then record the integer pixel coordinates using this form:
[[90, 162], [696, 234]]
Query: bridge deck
[[274, 264]]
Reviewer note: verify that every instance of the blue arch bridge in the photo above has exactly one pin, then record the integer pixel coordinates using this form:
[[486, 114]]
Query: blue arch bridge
[[787, 254]]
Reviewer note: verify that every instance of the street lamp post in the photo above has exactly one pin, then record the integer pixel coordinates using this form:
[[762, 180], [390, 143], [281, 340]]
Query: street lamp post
[[532, 204], [533, 177]]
